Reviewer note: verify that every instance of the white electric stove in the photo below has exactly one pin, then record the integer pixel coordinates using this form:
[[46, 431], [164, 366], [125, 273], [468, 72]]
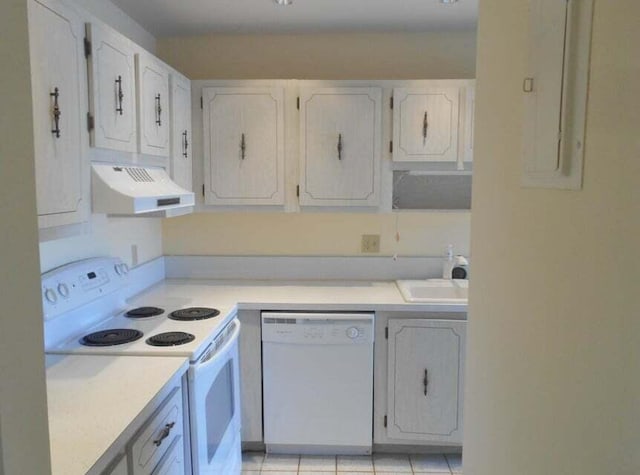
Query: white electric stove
[[85, 312]]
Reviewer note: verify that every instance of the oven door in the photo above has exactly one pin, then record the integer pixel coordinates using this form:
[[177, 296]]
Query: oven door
[[214, 407]]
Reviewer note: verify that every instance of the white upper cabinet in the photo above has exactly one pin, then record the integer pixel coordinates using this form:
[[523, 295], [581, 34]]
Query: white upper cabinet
[[181, 146], [425, 380], [243, 145], [426, 124], [112, 89], [58, 80], [153, 106], [555, 93], [340, 146]]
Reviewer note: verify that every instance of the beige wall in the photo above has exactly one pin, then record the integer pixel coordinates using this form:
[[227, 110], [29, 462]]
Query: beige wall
[[446, 55], [24, 439], [322, 56], [553, 379], [315, 234]]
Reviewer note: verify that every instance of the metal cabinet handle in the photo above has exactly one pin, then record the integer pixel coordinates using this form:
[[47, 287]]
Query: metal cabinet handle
[[243, 148], [119, 95], [158, 111], [56, 112], [164, 433], [425, 125], [425, 381], [339, 146], [185, 143]]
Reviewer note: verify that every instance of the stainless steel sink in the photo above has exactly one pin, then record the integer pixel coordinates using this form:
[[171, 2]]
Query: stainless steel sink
[[434, 291]]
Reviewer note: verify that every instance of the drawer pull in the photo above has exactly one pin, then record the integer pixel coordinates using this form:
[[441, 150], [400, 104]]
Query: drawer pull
[[164, 433]]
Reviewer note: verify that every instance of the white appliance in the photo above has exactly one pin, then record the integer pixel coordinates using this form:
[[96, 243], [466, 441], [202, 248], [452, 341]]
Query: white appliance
[[317, 382], [131, 190], [84, 303]]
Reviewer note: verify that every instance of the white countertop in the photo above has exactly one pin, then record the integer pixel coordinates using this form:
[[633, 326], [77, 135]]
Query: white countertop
[[303, 295], [93, 400]]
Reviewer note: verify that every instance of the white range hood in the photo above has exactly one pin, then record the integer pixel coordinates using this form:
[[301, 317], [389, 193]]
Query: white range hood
[[133, 190]]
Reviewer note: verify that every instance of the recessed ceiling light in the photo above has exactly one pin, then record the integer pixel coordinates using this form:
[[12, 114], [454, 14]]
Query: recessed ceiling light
[[283, 2], [446, 2]]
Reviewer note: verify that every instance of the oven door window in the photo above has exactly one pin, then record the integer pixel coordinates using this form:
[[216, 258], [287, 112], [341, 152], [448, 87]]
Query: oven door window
[[220, 408]]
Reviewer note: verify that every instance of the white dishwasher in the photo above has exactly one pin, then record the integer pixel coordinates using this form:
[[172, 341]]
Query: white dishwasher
[[317, 382]]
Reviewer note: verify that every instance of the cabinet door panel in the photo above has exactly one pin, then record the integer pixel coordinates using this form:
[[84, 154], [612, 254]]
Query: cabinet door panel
[[425, 124], [181, 160], [112, 86], [57, 64], [244, 145], [153, 106], [340, 146], [426, 359]]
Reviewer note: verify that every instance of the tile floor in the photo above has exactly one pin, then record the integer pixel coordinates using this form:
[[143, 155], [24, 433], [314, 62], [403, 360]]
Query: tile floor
[[254, 463]]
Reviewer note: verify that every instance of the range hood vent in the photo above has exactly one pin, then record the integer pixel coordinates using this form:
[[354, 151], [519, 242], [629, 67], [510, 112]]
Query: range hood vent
[[128, 190]]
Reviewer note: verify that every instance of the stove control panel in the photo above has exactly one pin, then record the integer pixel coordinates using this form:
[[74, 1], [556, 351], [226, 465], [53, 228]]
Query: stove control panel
[[74, 285]]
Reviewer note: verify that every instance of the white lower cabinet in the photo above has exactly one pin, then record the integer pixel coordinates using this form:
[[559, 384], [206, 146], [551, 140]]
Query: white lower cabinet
[[425, 368], [152, 448], [118, 467], [173, 461]]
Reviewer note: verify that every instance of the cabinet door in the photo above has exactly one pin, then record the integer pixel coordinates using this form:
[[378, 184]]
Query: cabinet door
[[244, 145], [153, 106], [425, 379], [58, 86], [181, 168], [425, 124], [340, 146], [112, 89], [118, 467], [173, 461]]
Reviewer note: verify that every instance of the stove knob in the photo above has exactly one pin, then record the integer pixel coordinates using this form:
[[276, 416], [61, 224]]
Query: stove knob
[[125, 269], [353, 333], [50, 295], [118, 269], [63, 290]]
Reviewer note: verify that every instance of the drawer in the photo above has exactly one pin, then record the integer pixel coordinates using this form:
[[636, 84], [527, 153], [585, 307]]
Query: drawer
[[173, 461], [162, 431]]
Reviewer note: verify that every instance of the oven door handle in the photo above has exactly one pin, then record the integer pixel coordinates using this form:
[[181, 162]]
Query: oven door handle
[[210, 357]]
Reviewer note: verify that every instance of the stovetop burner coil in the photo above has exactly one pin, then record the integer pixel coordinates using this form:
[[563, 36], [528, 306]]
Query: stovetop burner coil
[[111, 337], [194, 313], [144, 312], [170, 339]]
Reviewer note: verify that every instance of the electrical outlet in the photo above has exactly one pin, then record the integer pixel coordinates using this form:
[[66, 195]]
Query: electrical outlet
[[370, 243]]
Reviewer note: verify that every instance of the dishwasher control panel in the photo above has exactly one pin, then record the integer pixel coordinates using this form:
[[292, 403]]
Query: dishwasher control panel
[[317, 328]]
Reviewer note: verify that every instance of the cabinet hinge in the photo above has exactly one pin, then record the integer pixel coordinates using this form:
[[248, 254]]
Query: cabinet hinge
[[385, 421], [298, 190], [90, 122], [386, 333], [201, 102], [391, 146], [87, 47], [203, 190], [298, 103], [391, 102]]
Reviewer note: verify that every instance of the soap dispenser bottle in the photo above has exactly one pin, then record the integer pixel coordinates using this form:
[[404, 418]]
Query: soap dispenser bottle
[[447, 267]]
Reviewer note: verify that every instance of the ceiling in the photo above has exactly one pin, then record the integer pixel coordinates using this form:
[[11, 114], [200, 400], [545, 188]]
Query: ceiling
[[195, 17]]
